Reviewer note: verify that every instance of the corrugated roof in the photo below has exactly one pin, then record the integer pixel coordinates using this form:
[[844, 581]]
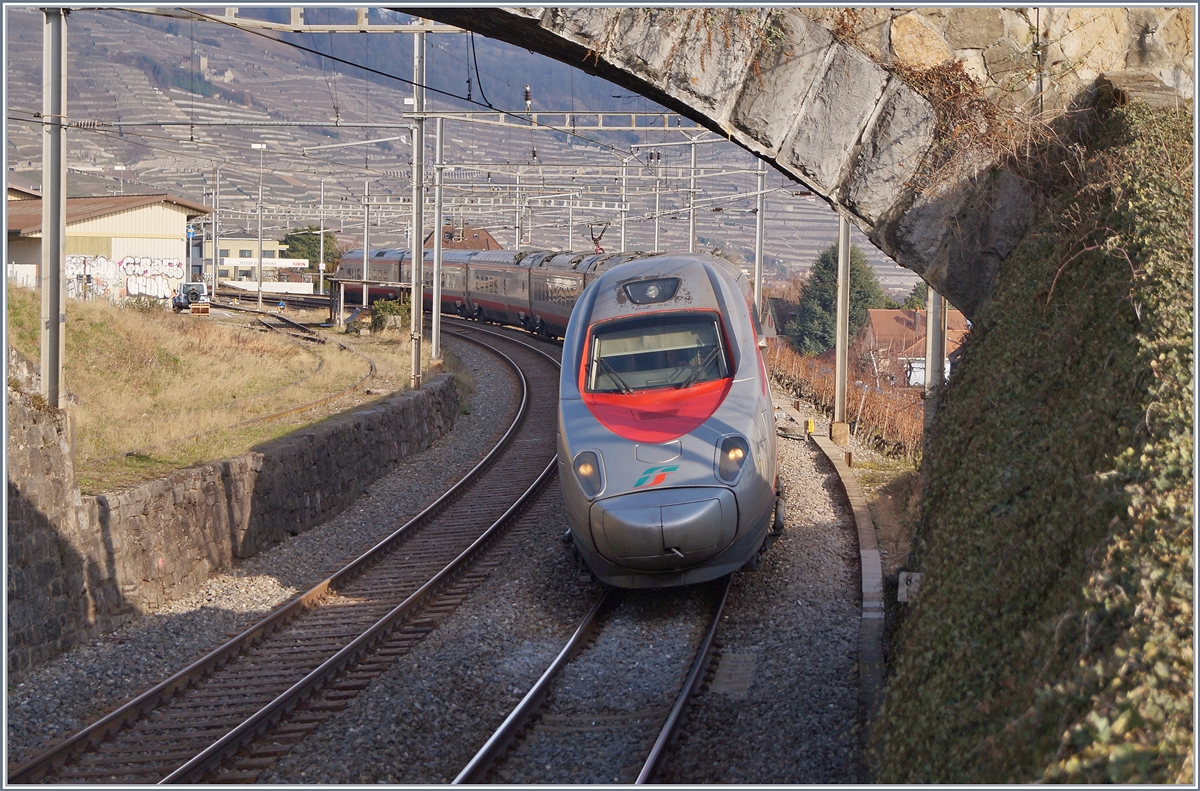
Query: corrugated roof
[[26, 216], [22, 184]]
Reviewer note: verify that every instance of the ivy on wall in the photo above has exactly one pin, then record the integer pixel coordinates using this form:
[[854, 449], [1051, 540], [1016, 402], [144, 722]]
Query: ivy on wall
[[1052, 640]]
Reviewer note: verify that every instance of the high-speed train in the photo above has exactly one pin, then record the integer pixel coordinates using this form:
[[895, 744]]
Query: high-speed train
[[666, 441]]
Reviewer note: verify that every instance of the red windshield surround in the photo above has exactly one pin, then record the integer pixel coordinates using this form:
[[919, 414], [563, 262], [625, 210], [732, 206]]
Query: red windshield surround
[[657, 415]]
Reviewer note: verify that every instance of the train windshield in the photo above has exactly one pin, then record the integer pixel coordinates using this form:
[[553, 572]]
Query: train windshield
[[658, 351]]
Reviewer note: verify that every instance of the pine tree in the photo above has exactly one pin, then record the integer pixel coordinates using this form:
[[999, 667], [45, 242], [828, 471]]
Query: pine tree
[[814, 328]]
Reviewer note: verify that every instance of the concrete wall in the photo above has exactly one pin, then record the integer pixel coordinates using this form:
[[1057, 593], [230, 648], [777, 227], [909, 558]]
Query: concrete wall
[[81, 566]]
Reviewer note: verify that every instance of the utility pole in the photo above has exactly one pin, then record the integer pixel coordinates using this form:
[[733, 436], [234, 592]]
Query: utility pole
[[692, 202], [758, 235], [517, 245], [260, 147], [417, 295], [321, 254], [838, 430], [435, 350], [657, 156], [366, 237], [216, 252], [624, 198], [54, 202], [935, 349]]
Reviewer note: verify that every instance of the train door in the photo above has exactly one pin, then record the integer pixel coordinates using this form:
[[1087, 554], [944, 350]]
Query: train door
[[453, 291]]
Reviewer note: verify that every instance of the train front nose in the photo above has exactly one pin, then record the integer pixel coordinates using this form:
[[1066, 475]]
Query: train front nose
[[663, 530]]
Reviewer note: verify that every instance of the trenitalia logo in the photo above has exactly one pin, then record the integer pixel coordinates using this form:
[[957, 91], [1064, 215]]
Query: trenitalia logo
[[659, 474]]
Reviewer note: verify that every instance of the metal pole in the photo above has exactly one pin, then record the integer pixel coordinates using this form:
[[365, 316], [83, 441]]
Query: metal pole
[[366, 237], [692, 203], [417, 295], [260, 147], [935, 342], [571, 223], [341, 306], [321, 254], [758, 235], [435, 350], [517, 246], [838, 430], [216, 229], [54, 202], [624, 199], [657, 196]]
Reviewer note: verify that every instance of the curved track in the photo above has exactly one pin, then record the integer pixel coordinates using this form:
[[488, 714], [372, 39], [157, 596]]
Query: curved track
[[533, 718], [323, 642]]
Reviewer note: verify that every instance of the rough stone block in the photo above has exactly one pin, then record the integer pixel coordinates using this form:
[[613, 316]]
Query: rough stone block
[[891, 151], [782, 75], [916, 42], [713, 57], [833, 117], [645, 39], [583, 25], [973, 28]]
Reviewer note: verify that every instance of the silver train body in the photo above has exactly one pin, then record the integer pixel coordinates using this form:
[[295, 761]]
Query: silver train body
[[666, 443], [659, 393]]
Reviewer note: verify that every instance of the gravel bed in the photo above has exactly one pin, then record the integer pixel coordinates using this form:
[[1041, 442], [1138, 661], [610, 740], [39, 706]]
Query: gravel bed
[[794, 622], [67, 693], [790, 628], [423, 719], [604, 711]]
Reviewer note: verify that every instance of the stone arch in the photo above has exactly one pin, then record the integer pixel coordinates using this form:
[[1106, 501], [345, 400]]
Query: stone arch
[[788, 91]]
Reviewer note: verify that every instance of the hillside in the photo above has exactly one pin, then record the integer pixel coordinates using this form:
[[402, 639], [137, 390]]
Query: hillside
[[141, 69], [1052, 640]]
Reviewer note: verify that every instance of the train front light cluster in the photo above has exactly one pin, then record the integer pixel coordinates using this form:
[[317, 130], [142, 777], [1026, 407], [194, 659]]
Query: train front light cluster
[[588, 471], [730, 458]]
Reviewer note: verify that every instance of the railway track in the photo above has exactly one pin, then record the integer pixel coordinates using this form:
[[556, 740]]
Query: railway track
[[571, 724], [291, 300], [233, 712]]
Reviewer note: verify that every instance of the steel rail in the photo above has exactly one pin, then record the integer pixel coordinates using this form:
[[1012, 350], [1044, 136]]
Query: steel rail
[[689, 688], [476, 771], [49, 760], [194, 770]]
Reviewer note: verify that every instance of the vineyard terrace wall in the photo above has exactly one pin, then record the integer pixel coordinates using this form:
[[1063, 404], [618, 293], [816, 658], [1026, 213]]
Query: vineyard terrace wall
[[82, 566]]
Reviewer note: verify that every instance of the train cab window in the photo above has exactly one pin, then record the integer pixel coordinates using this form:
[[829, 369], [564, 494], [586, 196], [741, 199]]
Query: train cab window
[[657, 351]]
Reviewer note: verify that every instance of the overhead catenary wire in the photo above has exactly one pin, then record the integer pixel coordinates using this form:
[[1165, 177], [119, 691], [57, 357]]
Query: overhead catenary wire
[[397, 78]]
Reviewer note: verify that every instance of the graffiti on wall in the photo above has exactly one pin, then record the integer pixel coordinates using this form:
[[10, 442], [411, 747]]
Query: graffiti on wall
[[132, 276]]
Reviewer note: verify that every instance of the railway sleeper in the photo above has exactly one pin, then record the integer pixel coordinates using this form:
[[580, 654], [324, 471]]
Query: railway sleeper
[[239, 777], [108, 759], [322, 705]]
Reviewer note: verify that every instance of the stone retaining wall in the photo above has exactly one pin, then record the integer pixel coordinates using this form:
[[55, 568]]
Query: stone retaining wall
[[81, 566]]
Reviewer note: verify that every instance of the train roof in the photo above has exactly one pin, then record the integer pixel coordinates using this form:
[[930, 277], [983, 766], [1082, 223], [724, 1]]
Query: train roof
[[697, 274]]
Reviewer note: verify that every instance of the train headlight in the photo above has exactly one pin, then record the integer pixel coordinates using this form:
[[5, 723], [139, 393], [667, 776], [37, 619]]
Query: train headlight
[[731, 455], [644, 292], [588, 472]]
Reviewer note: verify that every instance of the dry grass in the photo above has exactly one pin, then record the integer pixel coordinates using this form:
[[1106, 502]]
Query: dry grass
[[154, 392]]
